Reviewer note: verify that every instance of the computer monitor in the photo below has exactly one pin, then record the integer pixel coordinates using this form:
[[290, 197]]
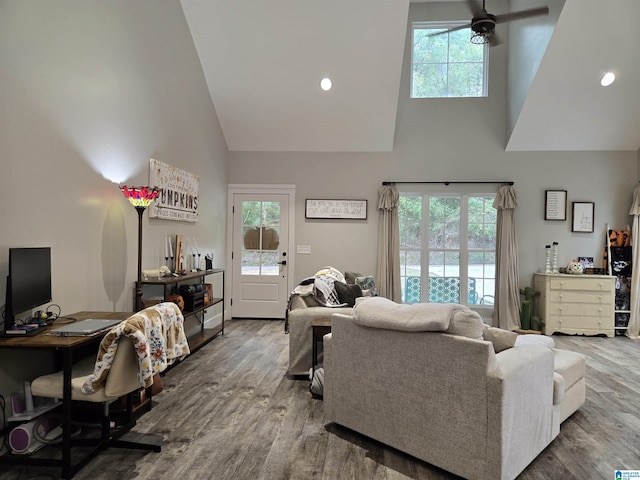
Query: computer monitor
[[28, 282]]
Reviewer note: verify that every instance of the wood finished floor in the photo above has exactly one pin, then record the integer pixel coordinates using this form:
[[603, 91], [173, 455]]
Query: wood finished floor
[[230, 412]]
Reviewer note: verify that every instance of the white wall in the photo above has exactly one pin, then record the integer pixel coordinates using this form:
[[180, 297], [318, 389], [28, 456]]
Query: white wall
[[89, 92], [454, 140], [526, 50]]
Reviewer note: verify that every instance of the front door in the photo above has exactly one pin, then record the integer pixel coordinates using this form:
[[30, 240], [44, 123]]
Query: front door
[[260, 255]]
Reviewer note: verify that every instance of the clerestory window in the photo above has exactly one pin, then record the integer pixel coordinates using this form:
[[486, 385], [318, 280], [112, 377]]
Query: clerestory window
[[448, 64]]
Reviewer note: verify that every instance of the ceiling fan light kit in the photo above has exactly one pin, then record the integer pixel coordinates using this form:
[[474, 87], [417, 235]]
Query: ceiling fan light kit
[[483, 29]]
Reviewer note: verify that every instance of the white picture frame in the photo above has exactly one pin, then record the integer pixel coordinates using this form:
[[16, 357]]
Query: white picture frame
[[335, 209]]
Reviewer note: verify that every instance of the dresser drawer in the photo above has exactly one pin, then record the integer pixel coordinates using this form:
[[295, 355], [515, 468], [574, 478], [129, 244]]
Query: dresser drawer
[[586, 325], [572, 296], [581, 283], [564, 310]]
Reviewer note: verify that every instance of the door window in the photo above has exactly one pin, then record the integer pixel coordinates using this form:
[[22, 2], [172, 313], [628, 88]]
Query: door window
[[261, 238]]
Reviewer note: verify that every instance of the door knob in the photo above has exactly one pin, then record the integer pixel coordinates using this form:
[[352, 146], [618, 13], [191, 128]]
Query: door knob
[[284, 262]]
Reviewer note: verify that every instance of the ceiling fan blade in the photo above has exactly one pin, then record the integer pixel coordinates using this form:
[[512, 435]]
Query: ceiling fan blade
[[475, 8], [494, 40], [459, 27], [534, 12]]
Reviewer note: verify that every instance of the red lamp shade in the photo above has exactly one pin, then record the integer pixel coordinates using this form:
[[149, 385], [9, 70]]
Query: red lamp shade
[[140, 196]]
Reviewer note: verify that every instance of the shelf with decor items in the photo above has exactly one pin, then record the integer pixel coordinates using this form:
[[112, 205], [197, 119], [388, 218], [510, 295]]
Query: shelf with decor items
[[195, 297], [619, 263]]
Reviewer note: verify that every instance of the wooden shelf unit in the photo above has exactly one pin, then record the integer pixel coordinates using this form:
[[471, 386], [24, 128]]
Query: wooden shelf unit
[[199, 336]]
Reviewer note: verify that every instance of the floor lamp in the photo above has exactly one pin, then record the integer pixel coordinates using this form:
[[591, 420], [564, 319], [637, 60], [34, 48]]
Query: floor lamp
[[140, 198]]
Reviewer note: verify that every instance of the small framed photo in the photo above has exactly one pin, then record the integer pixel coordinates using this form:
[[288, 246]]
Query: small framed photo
[[587, 262], [555, 205], [582, 219]]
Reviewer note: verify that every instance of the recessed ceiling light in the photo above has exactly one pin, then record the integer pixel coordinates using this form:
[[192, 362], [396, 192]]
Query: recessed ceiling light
[[326, 84], [607, 79]]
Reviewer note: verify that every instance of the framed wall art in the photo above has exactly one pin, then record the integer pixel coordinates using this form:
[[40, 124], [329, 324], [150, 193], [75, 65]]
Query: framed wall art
[[582, 218], [555, 205], [178, 199], [336, 209]]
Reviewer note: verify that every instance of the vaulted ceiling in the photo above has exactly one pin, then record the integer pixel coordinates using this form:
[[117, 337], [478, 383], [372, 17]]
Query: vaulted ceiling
[[263, 62]]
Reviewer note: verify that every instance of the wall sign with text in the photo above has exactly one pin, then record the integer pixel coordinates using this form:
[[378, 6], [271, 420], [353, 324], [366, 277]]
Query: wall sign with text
[[555, 204], [338, 209], [178, 198]]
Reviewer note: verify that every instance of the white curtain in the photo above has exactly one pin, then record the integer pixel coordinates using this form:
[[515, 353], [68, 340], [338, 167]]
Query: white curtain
[[633, 329], [388, 270], [506, 310]]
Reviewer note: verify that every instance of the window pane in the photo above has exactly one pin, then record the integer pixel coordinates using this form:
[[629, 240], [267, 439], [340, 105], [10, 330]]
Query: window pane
[[410, 219], [444, 263], [414, 260], [465, 80], [462, 50], [436, 263], [251, 213], [410, 263], [482, 270], [482, 223], [250, 262], [429, 80], [271, 213], [451, 264], [429, 48], [269, 264]]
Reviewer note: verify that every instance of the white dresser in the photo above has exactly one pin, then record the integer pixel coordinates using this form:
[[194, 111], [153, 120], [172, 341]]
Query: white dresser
[[576, 304]]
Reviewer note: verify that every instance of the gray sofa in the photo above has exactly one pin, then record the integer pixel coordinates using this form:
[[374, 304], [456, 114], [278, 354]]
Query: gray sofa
[[444, 395], [303, 309]]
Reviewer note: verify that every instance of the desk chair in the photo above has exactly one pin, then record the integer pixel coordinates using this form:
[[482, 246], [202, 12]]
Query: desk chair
[[122, 381]]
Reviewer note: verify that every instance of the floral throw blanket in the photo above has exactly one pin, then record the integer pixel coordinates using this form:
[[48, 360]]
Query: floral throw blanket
[[157, 334]]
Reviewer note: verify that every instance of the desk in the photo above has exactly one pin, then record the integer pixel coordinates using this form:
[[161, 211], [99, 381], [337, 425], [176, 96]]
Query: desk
[[65, 348]]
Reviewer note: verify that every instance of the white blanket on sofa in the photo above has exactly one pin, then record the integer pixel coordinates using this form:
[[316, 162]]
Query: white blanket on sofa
[[380, 312]]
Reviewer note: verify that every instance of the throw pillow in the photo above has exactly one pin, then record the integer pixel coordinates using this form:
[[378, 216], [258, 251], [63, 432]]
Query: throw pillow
[[347, 293], [500, 338], [366, 283], [465, 322]]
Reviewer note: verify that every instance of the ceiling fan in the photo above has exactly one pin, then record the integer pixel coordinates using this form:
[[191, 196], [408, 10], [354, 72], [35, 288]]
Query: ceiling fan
[[483, 24]]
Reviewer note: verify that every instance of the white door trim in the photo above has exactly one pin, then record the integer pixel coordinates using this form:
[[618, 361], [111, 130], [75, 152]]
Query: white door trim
[[232, 189]]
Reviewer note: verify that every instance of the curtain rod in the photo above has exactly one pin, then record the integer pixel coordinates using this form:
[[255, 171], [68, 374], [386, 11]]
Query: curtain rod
[[449, 183]]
